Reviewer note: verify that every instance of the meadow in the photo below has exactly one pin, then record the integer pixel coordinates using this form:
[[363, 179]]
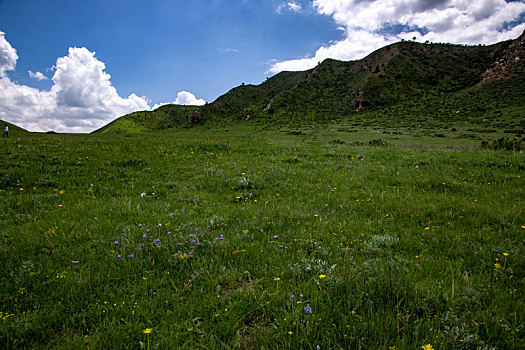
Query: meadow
[[314, 238]]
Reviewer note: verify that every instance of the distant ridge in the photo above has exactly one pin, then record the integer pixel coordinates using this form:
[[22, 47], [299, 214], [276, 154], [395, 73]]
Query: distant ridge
[[439, 77]]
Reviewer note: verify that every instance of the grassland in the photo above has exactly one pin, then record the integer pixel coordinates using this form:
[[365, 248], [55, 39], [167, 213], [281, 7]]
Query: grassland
[[249, 238]]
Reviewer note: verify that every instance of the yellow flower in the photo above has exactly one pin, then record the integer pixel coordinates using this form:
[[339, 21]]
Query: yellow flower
[[147, 331], [322, 277], [497, 265], [506, 254], [427, 347], [276, 279], [290, 332]]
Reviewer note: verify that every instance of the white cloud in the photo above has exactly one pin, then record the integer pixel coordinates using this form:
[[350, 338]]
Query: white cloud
[[291, 6], [37, 75], [365, 23], [81, 98], [8, 56], [294, 7], [184, 98], [188, 99]]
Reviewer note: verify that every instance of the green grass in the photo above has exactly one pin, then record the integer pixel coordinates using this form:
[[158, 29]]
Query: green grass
[[420, 240]]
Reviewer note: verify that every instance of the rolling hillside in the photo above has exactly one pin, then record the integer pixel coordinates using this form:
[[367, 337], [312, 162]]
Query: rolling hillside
[[405, 80]]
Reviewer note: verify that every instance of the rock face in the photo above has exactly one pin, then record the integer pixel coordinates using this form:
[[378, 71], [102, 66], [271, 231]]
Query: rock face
[[510, 63], [194, 118]]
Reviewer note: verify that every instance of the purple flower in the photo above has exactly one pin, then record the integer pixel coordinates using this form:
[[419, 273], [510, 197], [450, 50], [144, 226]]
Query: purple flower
[[282, 246], [292, 297], [221, 238], [147, 231], [116, 243], [308, 309], [318, 347], [139, 248], [144, 236], [130, 256], [74, 261], [211, 245], [183, 209], [119, 256], [275, 237], [172, 214], [157, 240], [180, 244], [198, 244], [169, 233], [140, 225], [196, 230], [157, 227]]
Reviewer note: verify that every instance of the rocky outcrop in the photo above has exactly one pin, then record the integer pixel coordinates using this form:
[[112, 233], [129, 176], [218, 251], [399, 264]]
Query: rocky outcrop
[[510, 63]]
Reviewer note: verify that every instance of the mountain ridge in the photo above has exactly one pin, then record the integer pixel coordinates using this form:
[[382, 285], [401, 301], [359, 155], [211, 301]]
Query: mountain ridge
[[390, 77]]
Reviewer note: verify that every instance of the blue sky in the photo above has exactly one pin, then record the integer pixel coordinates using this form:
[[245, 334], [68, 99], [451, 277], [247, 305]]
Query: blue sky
[[76, 65]]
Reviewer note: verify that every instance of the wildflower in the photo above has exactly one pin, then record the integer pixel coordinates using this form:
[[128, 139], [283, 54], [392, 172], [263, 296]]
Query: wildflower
[[275, 237], [147, 331], [308, 309], [143, 194], [497, 265], [505, 254], [140, 225], [116, 243], [427, 347], [290, 332], [147, 231], [157, 240], [74, 261], [130, 256], [119, 256], [322, 277], [276, 279], [144, 236]]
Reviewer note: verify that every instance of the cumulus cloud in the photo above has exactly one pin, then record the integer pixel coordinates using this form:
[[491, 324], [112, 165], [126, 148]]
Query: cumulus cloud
[[37, 75], [184, 98], [368, 25], [188, 99], [81, 98], [8, 56]]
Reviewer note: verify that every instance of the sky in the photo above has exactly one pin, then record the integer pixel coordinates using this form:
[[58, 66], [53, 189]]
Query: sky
[[74, 66]]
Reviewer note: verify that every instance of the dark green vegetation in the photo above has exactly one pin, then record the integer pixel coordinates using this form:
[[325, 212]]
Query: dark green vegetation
[[447, 89], [12, 128], [388, 239]]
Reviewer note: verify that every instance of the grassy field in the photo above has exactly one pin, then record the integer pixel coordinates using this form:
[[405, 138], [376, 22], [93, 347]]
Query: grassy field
[[300, 238]]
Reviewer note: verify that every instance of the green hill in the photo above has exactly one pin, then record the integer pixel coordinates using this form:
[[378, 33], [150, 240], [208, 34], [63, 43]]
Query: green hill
[[405, 82], [13, 129]]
